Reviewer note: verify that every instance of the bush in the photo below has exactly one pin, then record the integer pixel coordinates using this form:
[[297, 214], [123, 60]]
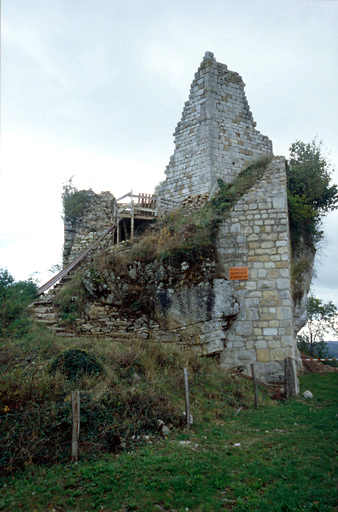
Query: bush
[[74, 201], [15, 296], [70, 298], [76, 363], [139, 384], [310, 194]]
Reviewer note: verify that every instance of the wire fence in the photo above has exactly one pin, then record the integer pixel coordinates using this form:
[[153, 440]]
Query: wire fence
[[112, 421], [108, 422]]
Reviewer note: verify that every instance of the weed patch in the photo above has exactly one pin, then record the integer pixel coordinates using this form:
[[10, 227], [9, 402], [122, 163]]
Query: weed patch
[[70, 299], [124, 389], [278, 458]]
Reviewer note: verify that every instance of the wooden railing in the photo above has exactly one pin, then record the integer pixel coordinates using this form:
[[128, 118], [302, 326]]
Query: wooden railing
[[140, 206], [73, 263]]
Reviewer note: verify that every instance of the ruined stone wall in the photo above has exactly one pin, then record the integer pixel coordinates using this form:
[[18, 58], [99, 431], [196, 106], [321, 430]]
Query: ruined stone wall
[[183, 304], [196, 305], [84, 230], [165, 304], [247, 321], [216, 136], [256, 235]]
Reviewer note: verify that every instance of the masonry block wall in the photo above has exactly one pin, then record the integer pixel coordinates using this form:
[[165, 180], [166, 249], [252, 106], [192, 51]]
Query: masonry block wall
[[256, 235], [216, 135], [243, 321], [96, 218]]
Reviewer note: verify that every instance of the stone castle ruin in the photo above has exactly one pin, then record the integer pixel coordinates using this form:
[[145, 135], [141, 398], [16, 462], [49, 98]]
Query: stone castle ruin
[[240, 306], [216, 136]]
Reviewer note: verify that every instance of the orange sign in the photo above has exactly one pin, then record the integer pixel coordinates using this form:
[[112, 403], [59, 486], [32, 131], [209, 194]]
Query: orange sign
[[238, 273]]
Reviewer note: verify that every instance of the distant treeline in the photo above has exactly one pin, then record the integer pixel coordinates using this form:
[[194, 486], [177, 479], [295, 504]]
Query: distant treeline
[[332, 348]]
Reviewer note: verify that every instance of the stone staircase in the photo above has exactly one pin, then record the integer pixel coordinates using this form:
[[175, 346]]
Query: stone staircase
[[43, 310]]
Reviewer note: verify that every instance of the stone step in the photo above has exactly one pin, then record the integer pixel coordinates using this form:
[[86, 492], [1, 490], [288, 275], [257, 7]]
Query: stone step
[[42, 310], [48, 322], [46, 316], [57, 329], [48, 299], [66, 335]]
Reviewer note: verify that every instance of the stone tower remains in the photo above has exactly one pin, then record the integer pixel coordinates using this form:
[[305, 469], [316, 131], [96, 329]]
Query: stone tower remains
[[217, 138], [216, 135], [242, 320]]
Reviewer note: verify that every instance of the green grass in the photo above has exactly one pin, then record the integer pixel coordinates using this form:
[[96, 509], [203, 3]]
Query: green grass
[[138, 384], [285, 462]]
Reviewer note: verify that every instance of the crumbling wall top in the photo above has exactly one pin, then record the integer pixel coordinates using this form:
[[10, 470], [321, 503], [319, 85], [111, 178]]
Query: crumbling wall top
[[216, 135]]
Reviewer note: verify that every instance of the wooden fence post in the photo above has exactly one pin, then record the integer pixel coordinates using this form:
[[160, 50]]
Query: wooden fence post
[[290, 377], [253, 373], [187, 404], [75, 397]]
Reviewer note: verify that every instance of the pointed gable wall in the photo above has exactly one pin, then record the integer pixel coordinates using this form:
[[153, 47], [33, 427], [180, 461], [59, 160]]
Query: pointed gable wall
[[216, 135]]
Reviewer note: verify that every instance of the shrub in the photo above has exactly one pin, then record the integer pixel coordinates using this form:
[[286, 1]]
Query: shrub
[[74, 201], [139, 384], [76, 363], [15, 296], [310, 194], [70, 298]]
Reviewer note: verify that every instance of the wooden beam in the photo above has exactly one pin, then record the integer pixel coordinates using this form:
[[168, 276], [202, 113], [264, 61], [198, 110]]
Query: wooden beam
[[132, 224], [118, 231], [125, 229]]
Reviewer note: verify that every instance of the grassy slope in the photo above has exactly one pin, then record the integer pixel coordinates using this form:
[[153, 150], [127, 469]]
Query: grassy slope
[[285, 462]]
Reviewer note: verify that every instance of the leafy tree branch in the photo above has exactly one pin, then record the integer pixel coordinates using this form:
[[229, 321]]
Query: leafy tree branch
[[310, 193], [322, 320]]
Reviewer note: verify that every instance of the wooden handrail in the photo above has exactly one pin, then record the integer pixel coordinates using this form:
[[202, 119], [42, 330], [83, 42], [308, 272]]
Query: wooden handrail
[[73, 264], [146, 200]]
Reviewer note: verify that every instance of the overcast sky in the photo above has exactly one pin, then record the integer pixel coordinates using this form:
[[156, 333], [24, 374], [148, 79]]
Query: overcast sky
[[95, 88]]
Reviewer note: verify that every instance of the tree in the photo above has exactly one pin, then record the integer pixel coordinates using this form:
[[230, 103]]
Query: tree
[[310, 194], [14, 299], [322, 319]]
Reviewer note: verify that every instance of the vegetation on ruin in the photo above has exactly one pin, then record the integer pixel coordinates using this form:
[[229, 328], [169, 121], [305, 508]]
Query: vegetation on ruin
[[191, 236], [74, 201], [70, 299], [310, 193], [181, 237], [230, 193]]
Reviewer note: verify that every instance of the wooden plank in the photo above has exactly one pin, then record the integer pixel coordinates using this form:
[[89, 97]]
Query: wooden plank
[[143, 209], [122, 197], [141, 217], [125, 229], [132, 223], [118, 231]]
